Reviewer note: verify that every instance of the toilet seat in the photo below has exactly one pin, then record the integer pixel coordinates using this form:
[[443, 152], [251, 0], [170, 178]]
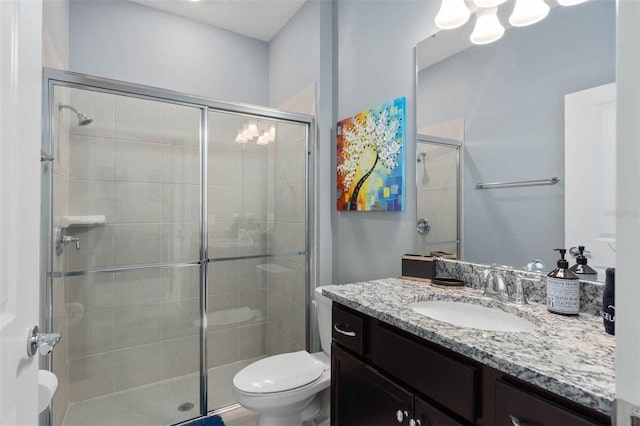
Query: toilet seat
[[279, 373]]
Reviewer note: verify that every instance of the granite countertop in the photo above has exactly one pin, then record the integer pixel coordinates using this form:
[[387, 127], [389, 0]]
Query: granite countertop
[[569, 356]]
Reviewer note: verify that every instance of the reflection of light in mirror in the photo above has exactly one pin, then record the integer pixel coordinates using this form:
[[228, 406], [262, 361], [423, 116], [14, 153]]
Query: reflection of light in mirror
[[570, 2], [488, 28], [528, 12], [488, 3], [452, 14]]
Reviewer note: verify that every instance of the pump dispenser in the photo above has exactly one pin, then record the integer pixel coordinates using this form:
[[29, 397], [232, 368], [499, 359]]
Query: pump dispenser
[[563, 289], [581, 269]]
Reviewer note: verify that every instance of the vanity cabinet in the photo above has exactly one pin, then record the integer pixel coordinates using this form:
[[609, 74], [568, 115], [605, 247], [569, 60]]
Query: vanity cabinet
[[381, 375], [361, 395]]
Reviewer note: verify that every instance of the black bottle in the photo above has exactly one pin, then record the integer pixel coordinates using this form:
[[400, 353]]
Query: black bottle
[[563, 289], [581, 269], [608, 302]]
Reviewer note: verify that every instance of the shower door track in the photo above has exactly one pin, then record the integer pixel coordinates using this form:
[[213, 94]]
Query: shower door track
[[53, 77], [83, 272]]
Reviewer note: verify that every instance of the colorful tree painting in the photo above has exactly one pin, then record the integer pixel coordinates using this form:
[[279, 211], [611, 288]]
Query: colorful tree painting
[[370, 172]]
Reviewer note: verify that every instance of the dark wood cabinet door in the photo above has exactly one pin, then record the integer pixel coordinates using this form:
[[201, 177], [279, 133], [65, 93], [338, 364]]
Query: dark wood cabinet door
[[360, 396], [428, 415]]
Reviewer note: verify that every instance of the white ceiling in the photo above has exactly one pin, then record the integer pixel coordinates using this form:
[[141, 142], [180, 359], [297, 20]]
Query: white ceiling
[[261, 19]]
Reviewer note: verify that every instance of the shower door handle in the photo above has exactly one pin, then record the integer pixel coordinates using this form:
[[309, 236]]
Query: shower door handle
[[44, 342]]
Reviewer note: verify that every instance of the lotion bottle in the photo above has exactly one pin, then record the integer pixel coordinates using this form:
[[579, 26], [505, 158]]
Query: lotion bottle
[[563, 289], [581, 269]]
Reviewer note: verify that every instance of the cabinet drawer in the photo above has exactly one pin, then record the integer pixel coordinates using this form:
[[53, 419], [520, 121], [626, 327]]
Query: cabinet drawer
[[347, 329], [445, 380], [516, 405]]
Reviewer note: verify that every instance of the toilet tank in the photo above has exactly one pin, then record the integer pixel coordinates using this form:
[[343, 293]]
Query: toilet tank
[[323, 315]]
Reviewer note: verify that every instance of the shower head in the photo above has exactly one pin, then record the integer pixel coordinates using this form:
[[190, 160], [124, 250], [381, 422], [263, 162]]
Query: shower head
[[83, 119]]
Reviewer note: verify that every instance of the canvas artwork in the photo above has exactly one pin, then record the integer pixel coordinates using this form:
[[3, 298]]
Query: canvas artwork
[[371, 151]]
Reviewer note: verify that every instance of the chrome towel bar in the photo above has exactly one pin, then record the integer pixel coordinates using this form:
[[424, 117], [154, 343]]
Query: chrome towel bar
[[550, 181]]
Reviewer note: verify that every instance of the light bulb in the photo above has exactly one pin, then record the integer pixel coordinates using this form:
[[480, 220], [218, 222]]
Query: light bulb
[[452, 14], [570, 2], [488, 28], [488, 3], [272, 133], [528, 12]]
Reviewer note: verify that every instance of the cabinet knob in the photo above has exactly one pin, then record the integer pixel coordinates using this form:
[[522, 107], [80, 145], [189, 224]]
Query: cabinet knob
[[514, 420], [400, 415]]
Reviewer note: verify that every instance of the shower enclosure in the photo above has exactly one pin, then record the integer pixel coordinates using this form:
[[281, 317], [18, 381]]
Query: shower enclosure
[[177, 247], [439, 202]]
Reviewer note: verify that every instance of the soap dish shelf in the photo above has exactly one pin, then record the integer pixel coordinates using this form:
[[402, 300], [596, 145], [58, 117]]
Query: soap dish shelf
[[84, 220]]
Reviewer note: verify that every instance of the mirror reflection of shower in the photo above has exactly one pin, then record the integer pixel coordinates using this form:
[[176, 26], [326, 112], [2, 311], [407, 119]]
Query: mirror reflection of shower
[[83, 119]]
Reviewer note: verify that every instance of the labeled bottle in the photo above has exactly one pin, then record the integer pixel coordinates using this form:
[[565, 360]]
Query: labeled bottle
[[608, 302], [563, 289], [581, 269]]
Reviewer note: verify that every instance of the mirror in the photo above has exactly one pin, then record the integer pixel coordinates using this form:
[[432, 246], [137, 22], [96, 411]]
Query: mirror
[[506, 102]]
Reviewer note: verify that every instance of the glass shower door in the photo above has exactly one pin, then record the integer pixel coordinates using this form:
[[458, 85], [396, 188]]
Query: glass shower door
[[125, 253], [257, 244]]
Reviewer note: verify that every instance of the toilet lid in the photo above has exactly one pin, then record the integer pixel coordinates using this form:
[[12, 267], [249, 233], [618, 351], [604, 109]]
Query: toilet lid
[[279, 373]]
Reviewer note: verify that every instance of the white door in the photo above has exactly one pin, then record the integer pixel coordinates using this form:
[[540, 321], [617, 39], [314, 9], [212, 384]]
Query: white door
[[20, 124], [590, 174]]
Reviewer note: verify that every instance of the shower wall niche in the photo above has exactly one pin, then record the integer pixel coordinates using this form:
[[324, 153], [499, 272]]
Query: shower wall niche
[[128, 255]]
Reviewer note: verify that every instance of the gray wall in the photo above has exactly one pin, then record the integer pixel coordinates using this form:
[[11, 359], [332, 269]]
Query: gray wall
[[511, 96], [126, 41], [294, 54], [376, 41], [55, 34], [299, 55]]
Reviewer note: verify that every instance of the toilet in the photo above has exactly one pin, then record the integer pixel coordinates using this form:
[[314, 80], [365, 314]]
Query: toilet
[[287, 389]]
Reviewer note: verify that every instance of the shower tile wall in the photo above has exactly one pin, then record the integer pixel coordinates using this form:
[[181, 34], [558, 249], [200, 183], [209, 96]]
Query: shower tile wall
[[437, 196], [61, 189], [286, 285], [136, 164]]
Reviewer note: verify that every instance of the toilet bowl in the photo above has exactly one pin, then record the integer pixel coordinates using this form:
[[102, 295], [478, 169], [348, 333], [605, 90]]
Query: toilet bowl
[[287, 389]]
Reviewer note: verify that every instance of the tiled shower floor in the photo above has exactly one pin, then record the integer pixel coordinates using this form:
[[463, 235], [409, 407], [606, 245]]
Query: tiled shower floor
[[157, 404]]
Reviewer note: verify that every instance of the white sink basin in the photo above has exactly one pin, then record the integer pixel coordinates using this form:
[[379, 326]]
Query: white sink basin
[[472, 316]]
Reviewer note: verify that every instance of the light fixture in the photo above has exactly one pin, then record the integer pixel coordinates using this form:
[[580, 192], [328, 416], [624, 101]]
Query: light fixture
[[241, 138], [272, 133], [528, 12], [252, 129], [570, 2], [452, 14], [488, 28], [488, 3], [263, 139]]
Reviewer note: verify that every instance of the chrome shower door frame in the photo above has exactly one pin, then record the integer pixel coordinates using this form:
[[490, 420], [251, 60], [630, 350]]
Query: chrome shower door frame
[[457, 145], [53, 78]]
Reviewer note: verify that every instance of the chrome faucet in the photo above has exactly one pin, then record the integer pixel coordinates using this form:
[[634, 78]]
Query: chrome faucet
[[495, 285], [63, 240]]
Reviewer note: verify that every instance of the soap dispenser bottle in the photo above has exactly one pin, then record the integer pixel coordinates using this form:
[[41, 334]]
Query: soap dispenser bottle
[[563, 289], [581, 269]]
